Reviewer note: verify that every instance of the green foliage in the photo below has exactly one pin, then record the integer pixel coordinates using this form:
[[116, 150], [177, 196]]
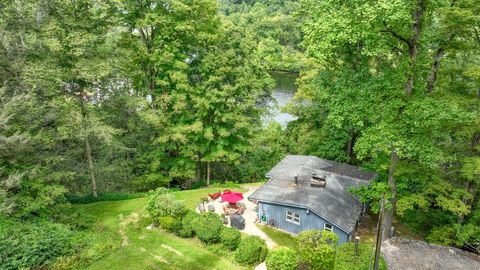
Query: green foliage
[[170, 223], [366, 105], [226, 184], [188, 224], [317, 249], [104, 196], [208, 228], [74, 218], [34, 245], [251, 250], [164, 208], [276, 30], [347, 259], [465, 236], [282, 258], [230, 238]]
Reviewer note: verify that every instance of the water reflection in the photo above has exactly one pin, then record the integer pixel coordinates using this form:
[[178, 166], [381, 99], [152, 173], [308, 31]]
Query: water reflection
[[283, 92]]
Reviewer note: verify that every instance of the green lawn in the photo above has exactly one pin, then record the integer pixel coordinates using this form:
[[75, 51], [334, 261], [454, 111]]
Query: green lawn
[[279, 237], [135, 247]]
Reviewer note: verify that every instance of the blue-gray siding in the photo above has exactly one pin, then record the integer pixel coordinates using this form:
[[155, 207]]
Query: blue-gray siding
[[310, 221]]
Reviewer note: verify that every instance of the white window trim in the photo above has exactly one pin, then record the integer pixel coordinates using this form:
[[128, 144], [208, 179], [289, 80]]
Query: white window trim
[[328, 229], [292, 217]]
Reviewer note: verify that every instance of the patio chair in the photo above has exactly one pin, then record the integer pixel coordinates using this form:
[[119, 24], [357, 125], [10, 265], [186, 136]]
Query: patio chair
[[201, 207], [241, 204], [214, 196], [240, 211]]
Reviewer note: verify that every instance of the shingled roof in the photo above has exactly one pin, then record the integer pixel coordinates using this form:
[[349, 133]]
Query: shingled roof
[[333, 202]]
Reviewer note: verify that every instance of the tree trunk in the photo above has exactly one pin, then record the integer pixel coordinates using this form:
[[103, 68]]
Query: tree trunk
[[434, 70], [389, 212], [350, 144], [208, 173], [90, 166], [461, 217], [413, 44], [88, 149]]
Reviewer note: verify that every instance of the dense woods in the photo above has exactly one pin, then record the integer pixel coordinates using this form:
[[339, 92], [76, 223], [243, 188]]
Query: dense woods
[[100, 96]]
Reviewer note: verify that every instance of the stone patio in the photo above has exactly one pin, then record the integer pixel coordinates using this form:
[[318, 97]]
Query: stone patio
[[249, 215]]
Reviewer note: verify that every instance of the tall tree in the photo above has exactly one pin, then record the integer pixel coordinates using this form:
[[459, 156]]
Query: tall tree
[[72, 36], [232, 90], [388, 44]]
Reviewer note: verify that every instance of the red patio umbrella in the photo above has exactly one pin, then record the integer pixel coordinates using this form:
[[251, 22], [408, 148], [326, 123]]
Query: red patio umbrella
[[232, 197]]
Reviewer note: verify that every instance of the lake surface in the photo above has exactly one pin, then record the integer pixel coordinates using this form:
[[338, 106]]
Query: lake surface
[[282, 93]]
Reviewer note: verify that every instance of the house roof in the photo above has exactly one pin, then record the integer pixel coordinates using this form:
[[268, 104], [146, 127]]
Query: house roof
[[333, 202]]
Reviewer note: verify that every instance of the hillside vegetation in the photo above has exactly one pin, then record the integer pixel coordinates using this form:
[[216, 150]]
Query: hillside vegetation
[[110, 99]]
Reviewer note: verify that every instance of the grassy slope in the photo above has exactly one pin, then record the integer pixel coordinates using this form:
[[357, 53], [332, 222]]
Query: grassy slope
[[144, 249]]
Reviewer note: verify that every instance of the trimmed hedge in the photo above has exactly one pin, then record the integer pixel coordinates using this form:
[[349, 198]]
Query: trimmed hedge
[[317, 249], [208, 228], [282, 258], [188, 228], [347, 260], [251, 250], [230, 238], [35, 245]]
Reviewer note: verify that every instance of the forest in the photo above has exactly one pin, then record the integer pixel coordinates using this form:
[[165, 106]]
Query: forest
[[109, 99]]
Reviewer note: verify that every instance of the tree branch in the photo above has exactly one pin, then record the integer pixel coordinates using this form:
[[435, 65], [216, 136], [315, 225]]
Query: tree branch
[[395, 34]]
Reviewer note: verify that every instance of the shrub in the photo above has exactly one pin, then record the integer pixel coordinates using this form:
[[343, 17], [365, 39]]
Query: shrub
[[164, 204], [208, 228], [317, 249], [188, 228], [230, 238], [251, 250], [172, 224], [74, 218], [465, 235], [346, 258], [226, 184], [105, 196], [282, 258], [34, 245]]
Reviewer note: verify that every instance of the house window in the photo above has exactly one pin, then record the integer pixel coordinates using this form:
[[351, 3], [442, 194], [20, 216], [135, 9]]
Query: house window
[[292, 217], [328, 227]]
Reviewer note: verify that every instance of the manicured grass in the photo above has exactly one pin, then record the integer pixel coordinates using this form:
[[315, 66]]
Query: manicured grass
[[192, 197], [279, 237], [139, 248], [156, 249]]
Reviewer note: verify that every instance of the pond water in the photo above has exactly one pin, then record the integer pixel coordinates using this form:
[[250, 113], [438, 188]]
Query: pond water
[[282, 93]]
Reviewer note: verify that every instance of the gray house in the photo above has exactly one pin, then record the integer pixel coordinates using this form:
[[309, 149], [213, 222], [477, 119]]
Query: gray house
[[307, 192]]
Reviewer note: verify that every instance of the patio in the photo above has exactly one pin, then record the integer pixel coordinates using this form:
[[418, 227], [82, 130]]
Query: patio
[[249, 214]]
